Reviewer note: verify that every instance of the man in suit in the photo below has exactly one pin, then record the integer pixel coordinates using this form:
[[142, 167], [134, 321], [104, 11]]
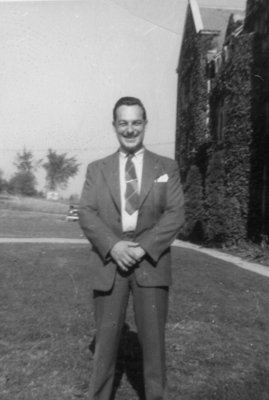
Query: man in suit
[[131, 209]]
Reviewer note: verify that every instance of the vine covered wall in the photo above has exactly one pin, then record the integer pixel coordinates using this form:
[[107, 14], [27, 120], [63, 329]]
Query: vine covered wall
[[192, 99], [232, 88], [225, 163]]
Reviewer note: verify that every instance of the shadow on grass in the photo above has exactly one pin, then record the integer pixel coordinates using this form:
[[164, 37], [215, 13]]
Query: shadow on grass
[[129, 362]]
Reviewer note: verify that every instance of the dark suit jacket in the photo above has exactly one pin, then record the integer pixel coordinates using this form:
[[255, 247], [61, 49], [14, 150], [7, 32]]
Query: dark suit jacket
[[159, 219]]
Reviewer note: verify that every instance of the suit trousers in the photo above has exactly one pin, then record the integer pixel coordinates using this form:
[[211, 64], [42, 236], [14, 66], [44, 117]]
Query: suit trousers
[[150, 311]]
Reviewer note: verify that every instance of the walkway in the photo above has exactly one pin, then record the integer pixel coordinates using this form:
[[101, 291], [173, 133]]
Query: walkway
[[254, 267]]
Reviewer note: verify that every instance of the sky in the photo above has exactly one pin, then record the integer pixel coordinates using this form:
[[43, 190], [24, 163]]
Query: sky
[[64, 64]]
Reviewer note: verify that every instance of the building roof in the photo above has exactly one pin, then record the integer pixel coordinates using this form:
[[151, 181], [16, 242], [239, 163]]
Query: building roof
[[216, 19], [211, 20]]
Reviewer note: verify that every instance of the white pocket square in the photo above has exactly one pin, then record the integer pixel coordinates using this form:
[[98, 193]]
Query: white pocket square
[[162, 178]]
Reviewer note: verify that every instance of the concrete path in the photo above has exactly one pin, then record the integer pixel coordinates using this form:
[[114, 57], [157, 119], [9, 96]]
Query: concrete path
[[43, 240], [258, 268], [254, 267]]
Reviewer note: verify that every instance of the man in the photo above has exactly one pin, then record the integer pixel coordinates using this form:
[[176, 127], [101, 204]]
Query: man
[[131, 210]]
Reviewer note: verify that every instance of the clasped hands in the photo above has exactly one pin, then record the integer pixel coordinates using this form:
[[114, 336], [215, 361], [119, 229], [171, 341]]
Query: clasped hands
[[126, 254]]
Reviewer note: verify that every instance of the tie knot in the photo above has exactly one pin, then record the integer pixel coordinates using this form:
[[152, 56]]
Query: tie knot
[[130, 156]]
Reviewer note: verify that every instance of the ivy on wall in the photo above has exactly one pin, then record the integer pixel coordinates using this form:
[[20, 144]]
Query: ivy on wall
[[214, 209], [233, 84], [193, 99], [231, 152], [193, 188]]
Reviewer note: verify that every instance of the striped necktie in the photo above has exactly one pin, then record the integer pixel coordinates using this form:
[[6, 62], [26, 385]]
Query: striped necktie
[[131, 193]]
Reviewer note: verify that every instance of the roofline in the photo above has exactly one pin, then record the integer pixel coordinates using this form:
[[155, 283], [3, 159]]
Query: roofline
[[224, 8], [214, 32], [196, 15]]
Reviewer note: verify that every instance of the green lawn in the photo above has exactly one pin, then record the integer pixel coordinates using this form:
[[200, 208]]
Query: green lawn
[[217, 333], [220, 332], [16, 223], [46, 320]]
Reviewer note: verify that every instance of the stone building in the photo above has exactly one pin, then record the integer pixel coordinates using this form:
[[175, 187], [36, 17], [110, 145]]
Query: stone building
[[201, 48], [223, 115], [257, 24]]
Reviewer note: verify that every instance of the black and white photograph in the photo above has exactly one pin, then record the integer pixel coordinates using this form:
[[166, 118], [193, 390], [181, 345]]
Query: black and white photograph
[[134, 199]]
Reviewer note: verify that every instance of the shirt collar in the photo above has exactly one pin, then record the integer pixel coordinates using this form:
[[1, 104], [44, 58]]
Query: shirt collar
[[136, 154]]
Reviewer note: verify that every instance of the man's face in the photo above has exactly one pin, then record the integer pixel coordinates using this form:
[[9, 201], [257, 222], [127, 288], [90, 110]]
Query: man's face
[[130, 128]]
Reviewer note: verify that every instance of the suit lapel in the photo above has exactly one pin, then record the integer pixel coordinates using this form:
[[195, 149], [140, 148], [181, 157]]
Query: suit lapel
[[112, 177], [151, 170]]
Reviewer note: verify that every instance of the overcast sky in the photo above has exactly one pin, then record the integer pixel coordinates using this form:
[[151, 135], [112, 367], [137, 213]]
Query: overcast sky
[[64, 64]]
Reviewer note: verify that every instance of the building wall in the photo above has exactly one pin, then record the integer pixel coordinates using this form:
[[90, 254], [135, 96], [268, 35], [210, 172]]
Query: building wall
[[257, 23], [238, 128], [192, 105]]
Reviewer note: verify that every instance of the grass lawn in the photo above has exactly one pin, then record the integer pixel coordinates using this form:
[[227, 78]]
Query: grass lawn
[[16, 223], [217, 333], [32, 204], [46, 320]]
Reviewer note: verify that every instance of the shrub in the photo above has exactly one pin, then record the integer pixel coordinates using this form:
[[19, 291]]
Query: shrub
[[215, 199], [193, 228]]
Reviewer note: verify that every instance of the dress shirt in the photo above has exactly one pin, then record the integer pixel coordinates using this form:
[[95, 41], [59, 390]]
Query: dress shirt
[[129, 221]]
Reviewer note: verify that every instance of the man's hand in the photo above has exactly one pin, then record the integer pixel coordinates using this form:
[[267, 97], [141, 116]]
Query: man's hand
[[139, 252], [126, 254]]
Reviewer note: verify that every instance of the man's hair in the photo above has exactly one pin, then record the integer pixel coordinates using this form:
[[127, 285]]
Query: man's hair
[[129, 101]]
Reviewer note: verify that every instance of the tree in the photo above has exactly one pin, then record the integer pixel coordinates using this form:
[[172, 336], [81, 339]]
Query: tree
[[59, 168], [24, 161], [3, 182], [24, 181]]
